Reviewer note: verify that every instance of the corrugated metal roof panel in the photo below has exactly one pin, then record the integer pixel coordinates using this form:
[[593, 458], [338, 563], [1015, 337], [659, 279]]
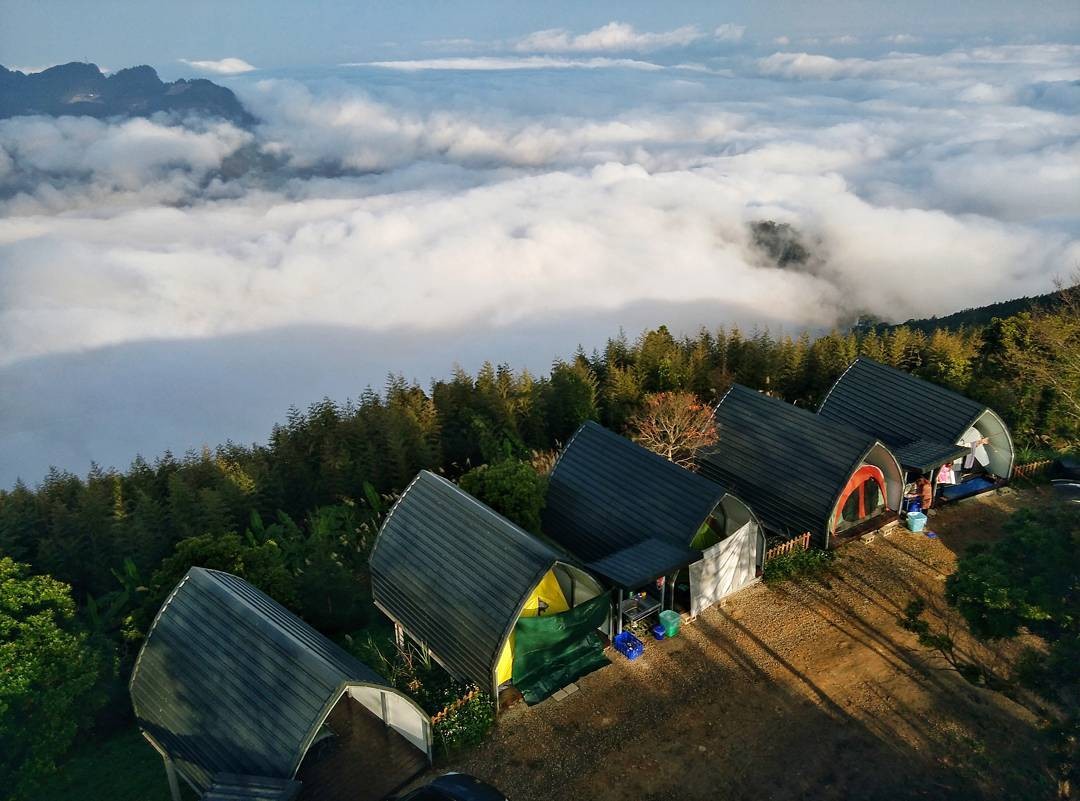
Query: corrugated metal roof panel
[[636, 565], [234, 787], [900, 410], [610, 502], [228, 680], [788, 464], [924, 455], [455, 573]]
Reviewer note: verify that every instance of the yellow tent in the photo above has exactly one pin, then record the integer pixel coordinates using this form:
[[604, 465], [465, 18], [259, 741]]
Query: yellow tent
[[550, 593]]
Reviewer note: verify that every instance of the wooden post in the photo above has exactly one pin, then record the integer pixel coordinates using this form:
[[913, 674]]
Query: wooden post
[[170, 773], [170, 768], [399, 635]]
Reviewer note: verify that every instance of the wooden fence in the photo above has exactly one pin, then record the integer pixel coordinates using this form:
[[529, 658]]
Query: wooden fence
[[798, 544], [455, 705], [1032, 469]]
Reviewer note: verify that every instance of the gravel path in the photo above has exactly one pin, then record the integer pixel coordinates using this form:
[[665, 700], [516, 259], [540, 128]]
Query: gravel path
[[806, 690]]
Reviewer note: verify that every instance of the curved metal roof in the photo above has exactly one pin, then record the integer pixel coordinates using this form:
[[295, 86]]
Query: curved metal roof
[[788, 464], [626, 512], [455, 574], [230, 681], [919, 420]]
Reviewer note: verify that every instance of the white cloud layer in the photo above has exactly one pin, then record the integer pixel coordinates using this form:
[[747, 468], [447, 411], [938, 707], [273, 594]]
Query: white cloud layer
[[225, 66], [381, 201], [501, 63], [621, 37], [1011, 63], [615, 36], [901, 39]]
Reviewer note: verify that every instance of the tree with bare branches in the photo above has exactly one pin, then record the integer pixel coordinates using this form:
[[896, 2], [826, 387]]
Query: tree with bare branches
[[674, 425]]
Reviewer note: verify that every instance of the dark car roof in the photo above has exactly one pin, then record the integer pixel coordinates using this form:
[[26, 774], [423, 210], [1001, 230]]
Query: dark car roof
[[455, 787]]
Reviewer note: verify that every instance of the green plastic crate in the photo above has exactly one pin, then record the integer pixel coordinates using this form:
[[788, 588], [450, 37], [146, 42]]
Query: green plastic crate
[[670, 620]]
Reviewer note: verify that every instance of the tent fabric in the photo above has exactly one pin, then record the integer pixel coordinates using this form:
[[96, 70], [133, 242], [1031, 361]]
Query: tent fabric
[[613, 504], [454, 573], [865, 473], [724, 568], [920, 421], [979, 451], [548, 591], [973, 486], [553, 650], [788, 464], [229, 681]]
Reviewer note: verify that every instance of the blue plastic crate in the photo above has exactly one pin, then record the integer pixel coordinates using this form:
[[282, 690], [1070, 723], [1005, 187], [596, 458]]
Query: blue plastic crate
[[628, 645], [916, 521], [658, 631]]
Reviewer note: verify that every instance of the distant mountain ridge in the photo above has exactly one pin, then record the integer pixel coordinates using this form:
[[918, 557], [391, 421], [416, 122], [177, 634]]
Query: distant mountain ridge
[[79, 88], [971, 318]]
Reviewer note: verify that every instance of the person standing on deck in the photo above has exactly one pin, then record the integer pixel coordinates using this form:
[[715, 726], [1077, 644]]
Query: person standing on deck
[[926, 491]]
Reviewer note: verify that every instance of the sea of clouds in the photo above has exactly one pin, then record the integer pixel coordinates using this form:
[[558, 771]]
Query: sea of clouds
[[166, 283]]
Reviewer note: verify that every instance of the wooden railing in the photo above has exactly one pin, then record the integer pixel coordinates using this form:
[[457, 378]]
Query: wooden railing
[[801, 543], [455, 705], [1032, 469]]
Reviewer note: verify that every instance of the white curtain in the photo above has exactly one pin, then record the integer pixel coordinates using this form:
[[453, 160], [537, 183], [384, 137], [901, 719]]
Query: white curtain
[[728, 566]]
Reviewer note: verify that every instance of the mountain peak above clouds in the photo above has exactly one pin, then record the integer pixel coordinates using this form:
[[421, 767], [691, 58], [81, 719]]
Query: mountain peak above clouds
[[79, 88]]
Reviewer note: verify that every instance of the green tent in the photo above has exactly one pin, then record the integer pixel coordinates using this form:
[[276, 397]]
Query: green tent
[[551, 651]]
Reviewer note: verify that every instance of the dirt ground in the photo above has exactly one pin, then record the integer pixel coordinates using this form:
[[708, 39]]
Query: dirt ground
[[805, 690]]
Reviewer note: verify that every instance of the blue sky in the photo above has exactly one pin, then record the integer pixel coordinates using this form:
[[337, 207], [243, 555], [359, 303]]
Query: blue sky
[[284, 33]]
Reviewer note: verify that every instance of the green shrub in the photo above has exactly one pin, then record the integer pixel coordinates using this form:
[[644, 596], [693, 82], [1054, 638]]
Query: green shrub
[[50, 676], [1026, 454], [797, 564], [1027, 579], [262, 564], [425, 681], [512, 488], [466, 726]]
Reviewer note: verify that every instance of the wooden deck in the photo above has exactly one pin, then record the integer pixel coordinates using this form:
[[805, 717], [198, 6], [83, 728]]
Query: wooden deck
[[366, 761]]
